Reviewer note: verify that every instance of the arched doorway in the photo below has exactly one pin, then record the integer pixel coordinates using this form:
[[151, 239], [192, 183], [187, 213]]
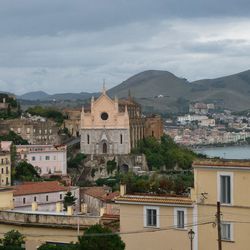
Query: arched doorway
[[104, 148]]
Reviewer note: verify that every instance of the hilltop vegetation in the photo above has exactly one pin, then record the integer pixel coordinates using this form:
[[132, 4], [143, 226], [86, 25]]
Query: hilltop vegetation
[[49, 113], [165, 153], [12, 109], [15, 138]]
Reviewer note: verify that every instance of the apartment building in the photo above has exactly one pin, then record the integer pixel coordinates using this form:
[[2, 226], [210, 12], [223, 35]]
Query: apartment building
[[156, 221], [35, 132], [229, 183], [48, 159], [163, 221], [5, 168]]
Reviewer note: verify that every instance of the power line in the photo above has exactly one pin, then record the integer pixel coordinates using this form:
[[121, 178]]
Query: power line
[[146, 230]]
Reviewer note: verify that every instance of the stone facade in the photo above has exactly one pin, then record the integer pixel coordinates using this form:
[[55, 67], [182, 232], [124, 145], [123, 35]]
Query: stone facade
[[35, 132], [105, 130], [73, 121], [136, 121], [154, 126]]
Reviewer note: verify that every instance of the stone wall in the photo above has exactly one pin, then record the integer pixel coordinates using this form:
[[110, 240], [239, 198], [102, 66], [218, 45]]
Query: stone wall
[[47, 220]]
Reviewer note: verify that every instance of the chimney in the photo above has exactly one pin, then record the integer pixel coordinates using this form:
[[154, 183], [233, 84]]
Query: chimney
[[102, 211], [34, 206], [122, 189], [69, 210], [58, 207]]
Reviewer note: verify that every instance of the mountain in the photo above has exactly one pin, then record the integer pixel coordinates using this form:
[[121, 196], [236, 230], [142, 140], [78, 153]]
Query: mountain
[[42, 96], [161, 91], [35, 95]]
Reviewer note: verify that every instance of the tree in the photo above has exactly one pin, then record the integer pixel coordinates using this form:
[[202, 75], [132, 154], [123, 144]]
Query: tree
[[111, 166], [13, 239], [108, 241], [74, 162], [24, 171], [15, 138], [69, 200]]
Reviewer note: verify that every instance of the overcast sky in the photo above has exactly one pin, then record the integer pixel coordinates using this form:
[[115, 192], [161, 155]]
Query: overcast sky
[[71, 46]]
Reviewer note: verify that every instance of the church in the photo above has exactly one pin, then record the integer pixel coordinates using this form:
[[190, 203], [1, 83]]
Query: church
[[104, 128]]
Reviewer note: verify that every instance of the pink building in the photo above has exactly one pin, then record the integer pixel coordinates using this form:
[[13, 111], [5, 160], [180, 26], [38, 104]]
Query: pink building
[[49, 159]]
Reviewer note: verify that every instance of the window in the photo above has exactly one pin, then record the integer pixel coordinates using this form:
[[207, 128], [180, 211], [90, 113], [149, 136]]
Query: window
[[88, 139], [35, 198], [226, 231], [2, 171], [180, 218], [104, 116], [24, 200], [47, 198], [47, 158], [60, 196], [151, 217], [120, 138], [33, 158], [225, 182]]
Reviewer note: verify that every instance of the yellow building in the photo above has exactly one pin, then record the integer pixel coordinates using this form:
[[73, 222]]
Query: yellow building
[[6, 198], [229, 183], [156, 221], [5, 169], [152, 221]]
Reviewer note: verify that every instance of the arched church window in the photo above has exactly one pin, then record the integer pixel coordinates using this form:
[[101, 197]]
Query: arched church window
[[121, 139], [88, 139], [104, 148]]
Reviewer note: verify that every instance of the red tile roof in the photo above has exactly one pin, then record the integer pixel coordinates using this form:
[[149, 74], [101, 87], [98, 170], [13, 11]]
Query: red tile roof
[[222, 163], [38, 187], [101, 193], [170, 200]]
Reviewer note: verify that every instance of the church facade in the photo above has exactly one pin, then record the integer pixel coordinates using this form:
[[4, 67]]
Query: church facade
[[104, 128]]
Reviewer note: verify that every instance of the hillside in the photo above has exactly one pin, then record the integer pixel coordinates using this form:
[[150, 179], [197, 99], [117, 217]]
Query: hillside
[[231, 92], [42, 96], [162, 91]]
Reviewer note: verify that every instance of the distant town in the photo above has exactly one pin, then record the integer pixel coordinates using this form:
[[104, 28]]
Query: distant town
[[205, 124]]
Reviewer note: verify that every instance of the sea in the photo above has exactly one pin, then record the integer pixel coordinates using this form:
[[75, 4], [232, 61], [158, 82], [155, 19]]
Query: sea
[[227, 152]]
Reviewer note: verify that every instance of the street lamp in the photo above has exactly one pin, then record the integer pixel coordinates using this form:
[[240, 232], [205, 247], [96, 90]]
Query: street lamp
[[191, 234]]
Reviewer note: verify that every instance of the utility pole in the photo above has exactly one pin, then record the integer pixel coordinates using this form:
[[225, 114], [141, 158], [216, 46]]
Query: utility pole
[[218, 216]]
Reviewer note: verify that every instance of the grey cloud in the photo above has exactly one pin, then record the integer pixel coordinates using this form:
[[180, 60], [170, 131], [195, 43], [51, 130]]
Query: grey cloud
[[29, 17]]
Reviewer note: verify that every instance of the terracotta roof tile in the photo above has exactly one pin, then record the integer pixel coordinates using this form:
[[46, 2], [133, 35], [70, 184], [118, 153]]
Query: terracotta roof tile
[[155, 199], [225, 163], [101, 193], [38, 187], [96, 192]]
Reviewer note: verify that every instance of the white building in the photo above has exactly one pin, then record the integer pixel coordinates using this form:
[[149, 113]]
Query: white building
[[49, 159], [46, 195], [190, 118]]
